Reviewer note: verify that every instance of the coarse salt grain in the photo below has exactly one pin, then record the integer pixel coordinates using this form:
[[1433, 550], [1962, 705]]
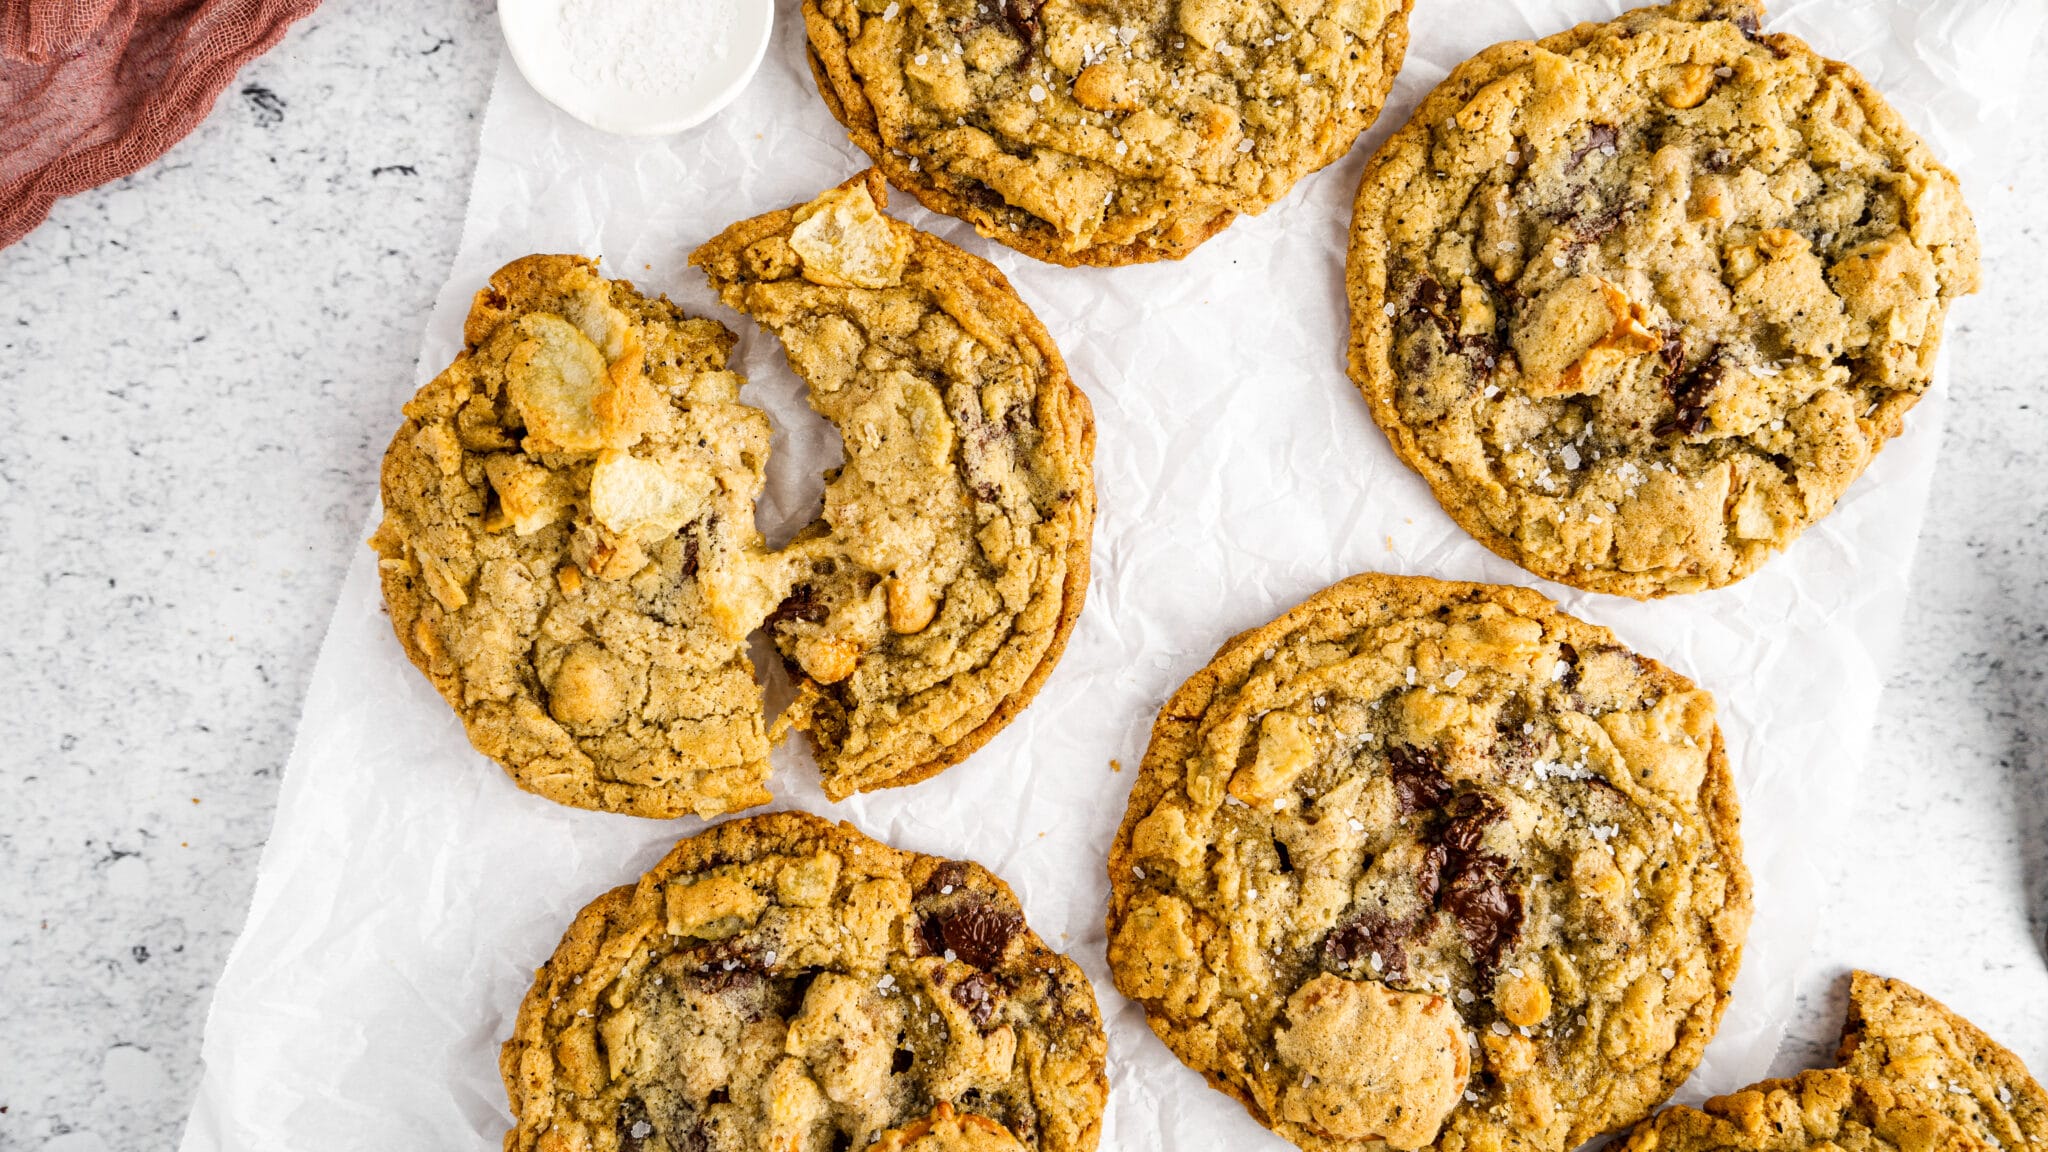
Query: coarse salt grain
[[630, 44]]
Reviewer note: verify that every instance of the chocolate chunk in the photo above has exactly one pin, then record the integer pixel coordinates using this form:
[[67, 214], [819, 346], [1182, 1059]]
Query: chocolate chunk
[[1593, 227], [1482, 351], [976, 995], [1419, 784], [1598, 138], [1751, 30], [1471, 815], [1023, 16], [634, 1128], [901, 1061], [1358, 940], [1690, 394], [946, 879], [1489, 916], [802, 603], [1429, 301], [976, 933], [1671, 352], [1431, 876], [1570, 679], [728, 965]]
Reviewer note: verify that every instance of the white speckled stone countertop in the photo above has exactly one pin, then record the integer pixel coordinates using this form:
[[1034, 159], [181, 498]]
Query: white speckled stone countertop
[[193, 371]]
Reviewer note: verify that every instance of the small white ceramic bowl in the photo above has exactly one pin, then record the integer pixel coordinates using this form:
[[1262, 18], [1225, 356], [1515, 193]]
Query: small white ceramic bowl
[[594, 91]]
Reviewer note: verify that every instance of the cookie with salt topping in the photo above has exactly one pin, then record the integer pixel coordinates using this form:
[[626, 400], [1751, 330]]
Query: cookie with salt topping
[[781, 982], [1111, 132], [1432, 865], [1641, 300], [1822, 1110], [924, 607], [567, 539], [569, 553], [1903, 1036]]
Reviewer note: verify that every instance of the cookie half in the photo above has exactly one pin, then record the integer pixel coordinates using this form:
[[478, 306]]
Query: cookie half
[[782, 982], [1823, 1110], [1901, 1035], [1113, 132], [1642, 299], [1432, 865], [565, 550], [569, 550], [931, 598]]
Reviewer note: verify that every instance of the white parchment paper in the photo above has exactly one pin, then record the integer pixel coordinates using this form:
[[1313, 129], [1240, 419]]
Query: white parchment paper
[[408, 889]]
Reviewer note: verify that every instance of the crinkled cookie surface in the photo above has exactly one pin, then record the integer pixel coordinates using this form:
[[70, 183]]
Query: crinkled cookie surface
[[1826, 1110], [562, 510], [1641, 300], [782, 984], [1433, 865], [924, 607], [1904, 1037], [1110, 131], [569, 550]]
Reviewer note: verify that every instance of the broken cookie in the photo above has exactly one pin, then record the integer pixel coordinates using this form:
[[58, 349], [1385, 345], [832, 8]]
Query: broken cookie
[[569, 550]]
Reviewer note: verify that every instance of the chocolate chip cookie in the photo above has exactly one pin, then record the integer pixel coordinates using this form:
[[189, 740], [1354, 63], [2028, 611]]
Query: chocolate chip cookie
[[569, 550], [780, 982], [1899, 1034], [1642, 299], [1432, 865], [924, 607], [1824, 1110], [1111, 132]]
